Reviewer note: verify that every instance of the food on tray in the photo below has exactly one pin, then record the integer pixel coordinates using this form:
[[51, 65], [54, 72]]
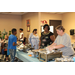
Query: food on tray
[[18, 42], [30, 55], [20, 47]]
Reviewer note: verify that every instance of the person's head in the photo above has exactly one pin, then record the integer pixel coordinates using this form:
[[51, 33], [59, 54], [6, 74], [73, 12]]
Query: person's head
[[35, 31], [14, 31], [21, 30], [46, 27], [60, 29], [6, 37]]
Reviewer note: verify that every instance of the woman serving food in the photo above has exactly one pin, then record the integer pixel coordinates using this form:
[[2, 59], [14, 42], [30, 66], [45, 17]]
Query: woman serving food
[[62, 42]]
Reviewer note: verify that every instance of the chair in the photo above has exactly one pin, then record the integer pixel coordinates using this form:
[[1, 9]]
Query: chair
[[24, 41]]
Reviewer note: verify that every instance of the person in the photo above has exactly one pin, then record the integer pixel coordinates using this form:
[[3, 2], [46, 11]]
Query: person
[[1, 47], [12, 42], [47, 37], [6, 47], [21, 35], [30, 36], [62, 42], [29, 39], [35, 39]]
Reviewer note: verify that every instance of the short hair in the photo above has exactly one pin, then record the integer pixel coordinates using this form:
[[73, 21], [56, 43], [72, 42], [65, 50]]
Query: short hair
[[34, 30], [14, 30], [21, 29], [47, 26], [60, 27]]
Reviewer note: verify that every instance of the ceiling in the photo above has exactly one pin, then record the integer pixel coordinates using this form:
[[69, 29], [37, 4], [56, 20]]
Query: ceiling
[[13, 13], [21, 13], [56, 12]]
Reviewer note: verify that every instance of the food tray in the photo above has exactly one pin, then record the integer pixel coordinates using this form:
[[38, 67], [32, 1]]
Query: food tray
[[46, 57]]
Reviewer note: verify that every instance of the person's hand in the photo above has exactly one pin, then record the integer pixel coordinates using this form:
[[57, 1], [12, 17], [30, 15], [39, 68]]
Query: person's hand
[[51, 47], [39, 47]]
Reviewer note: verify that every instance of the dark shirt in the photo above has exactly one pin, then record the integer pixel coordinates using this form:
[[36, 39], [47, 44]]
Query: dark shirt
[[45, 39]]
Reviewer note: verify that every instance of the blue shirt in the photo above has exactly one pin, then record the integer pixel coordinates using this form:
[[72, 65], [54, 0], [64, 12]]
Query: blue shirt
[[11, 40]]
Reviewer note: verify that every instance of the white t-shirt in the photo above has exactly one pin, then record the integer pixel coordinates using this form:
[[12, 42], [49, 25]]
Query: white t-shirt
[[21, 36]]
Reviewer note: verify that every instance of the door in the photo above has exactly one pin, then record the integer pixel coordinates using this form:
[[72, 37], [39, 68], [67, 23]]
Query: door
[[55, 23]]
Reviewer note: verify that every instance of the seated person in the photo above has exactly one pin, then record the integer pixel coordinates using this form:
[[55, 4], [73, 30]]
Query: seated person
[[2, 50], [6, 46]]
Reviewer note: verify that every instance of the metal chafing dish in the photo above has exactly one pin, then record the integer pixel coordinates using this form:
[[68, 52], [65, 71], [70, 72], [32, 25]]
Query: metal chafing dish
[[24, 48], [45, 55], [27, 48]]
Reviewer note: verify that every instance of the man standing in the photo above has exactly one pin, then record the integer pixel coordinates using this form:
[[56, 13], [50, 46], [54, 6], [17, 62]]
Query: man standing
[[12, 42]]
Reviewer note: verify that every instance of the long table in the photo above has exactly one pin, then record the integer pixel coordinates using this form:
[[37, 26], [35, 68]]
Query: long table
[[24, 57]]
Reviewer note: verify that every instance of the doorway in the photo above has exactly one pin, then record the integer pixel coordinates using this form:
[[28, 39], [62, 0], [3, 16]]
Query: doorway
[[55, 23]]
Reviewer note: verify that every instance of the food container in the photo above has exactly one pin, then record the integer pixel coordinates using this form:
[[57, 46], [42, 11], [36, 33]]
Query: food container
[[44, 56]]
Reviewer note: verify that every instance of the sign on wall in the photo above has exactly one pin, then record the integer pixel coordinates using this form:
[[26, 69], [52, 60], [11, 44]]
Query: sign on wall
[[28, 25]]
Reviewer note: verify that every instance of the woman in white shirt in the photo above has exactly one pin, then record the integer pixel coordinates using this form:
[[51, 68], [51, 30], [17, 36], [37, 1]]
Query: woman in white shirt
[[35, 39], [21, 35]]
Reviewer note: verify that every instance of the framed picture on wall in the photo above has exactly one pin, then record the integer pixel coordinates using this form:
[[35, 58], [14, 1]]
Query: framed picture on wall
[[28, 22], [28, 28], [28, 25]]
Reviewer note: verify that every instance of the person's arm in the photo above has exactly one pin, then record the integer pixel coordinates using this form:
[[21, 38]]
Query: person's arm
[[52, 37], [59, 46], [2, 41], [33, 41], [53, 44], [29, 39], [15, 41], [56, 47], [14, 44], [40, 42]]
